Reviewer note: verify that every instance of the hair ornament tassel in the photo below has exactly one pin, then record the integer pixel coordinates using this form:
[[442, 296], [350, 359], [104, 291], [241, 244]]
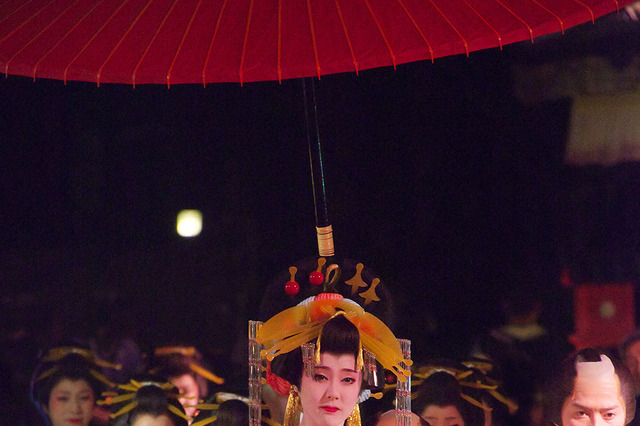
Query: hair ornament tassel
[[293, 409], [354, 418]]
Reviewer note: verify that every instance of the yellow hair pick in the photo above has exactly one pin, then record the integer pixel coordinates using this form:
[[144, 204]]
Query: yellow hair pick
[[206, 373], [124, 409], [205, 421], [177, 412], [289, 329], [57, 353]]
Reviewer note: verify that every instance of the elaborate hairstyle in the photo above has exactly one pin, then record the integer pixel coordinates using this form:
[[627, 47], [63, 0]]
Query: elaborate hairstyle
[[339, 336], [223, 412], [148, 394], [464, 385], [71, 362], [329, 320], [561, 383], [175, 361]]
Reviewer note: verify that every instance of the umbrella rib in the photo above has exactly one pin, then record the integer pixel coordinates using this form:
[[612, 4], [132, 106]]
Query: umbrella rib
[[16, 11], [124, 36], [415, 24], [346, 35], [279, 41], [153, 39], [551, 13], [384, 37], [244, 43], [518, 18], [6, 68], [593, 19], [466, 43], [184, 37], [486, 22], [213, 39], [34, 38], [313, 38], [93, 37]]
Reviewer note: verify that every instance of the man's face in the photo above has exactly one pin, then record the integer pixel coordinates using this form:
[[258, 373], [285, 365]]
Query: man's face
[[596, 400], [632, 361]]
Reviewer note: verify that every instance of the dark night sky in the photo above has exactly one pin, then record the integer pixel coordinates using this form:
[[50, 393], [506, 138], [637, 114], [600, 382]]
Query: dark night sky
[[437, 178]]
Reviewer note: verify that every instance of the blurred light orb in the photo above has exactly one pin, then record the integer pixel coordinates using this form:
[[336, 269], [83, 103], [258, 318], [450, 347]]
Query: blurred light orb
[[189, 223]]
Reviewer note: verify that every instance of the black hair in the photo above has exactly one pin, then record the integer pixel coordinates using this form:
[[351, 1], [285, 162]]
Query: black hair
[[339, 336], [176, 364], [442, 389], [275, 299], [72, 367], [561, 383], [232, 412], [152, 400]]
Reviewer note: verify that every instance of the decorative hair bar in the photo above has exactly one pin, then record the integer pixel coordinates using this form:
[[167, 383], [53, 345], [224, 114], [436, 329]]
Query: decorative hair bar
[[293, 327]]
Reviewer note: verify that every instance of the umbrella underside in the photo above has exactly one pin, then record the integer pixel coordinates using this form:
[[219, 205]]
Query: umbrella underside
[[210, 41]]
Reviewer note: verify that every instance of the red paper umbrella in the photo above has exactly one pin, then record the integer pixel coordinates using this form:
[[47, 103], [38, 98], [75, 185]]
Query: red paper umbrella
[[207, 41]]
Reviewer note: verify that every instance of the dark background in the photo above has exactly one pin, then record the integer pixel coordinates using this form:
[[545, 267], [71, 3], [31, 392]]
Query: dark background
[[438, 178]]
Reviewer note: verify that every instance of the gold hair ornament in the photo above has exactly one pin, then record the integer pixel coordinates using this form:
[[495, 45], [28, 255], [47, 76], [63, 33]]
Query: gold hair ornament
[[489, 385], [300, 324], [58, 353], [132, 387]]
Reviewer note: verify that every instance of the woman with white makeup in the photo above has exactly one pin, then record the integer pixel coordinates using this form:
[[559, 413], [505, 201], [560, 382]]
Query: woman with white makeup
[[330, 351], [66, 385]]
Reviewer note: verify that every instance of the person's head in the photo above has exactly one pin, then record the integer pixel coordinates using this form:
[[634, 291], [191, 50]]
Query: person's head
[[590, 388], [328, 378], [232, 412], [330, 393], [156, 403], [183, 366], [64, 388], [388, 418], [439, 402], [630, 353]]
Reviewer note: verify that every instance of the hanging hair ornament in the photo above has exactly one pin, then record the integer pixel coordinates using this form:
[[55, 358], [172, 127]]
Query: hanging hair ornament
[[300, 324], [292, 287], [56, 354], [132, 388], [317, 277], [370, 374], [308, 359]]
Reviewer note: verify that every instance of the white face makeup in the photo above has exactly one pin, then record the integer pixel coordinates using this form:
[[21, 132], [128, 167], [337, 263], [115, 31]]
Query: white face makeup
[[596, 397], [330, 396], [70, 403]]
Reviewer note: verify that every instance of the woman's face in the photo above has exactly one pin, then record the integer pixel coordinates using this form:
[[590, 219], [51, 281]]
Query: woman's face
[[330, 396], [442, 416], [189, 391], [70, 403]]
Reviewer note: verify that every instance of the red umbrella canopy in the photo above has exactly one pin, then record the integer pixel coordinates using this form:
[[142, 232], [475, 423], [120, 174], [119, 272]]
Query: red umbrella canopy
[[209, 41]]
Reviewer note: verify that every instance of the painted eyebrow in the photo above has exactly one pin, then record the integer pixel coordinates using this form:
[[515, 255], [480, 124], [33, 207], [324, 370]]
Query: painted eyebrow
[[322, 367], [583, 408]]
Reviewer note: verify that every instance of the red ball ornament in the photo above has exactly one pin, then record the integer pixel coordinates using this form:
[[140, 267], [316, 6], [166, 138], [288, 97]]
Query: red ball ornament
[[291, 287], [316, 278]]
